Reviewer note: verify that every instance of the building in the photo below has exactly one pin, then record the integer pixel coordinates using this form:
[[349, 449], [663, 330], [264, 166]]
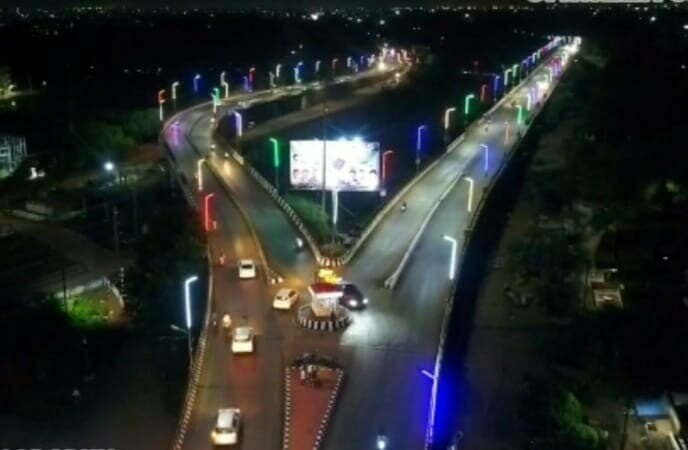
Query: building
[[12, 153]]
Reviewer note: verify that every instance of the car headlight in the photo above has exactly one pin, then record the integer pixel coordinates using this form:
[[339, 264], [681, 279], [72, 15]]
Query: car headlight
[[353, 303], [365, 301]]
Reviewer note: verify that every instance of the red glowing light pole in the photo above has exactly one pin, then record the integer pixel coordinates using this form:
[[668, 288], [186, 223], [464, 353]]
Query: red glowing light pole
[[208, 224]]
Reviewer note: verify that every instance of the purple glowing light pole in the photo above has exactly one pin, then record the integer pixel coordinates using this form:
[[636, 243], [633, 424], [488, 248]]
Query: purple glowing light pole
[[419, 143]]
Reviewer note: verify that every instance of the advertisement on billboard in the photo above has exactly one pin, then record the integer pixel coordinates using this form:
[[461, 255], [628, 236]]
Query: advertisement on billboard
[[351, 165]]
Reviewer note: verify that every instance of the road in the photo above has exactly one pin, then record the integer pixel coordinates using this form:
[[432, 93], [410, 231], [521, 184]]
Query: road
[[386, 346]]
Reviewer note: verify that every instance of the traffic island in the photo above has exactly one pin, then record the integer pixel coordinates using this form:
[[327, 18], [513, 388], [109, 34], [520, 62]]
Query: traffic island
[[312, 387], [338, 318]]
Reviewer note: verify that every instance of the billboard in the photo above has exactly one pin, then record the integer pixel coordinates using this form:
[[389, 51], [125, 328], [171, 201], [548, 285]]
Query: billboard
[[351, 165]]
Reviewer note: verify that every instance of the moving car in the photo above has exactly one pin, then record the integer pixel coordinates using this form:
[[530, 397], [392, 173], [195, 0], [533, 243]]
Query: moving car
[[242, 340], [352, 297], [285, 299], [226, 431], [247, 269]]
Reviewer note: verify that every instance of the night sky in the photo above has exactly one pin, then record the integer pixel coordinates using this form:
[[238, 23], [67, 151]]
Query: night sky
[[234, 4]]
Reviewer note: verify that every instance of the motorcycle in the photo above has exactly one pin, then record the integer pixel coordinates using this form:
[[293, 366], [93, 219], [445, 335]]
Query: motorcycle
[[299, 243], [403, 207]]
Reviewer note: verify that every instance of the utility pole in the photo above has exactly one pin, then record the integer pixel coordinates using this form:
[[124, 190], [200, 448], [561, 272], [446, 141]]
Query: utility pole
[[115, 231], [324, 158]]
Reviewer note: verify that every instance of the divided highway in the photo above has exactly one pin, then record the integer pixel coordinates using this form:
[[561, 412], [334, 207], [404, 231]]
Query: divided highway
[[387, 345]]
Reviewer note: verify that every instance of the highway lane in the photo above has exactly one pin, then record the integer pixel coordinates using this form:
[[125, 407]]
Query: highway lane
[[388, 344]]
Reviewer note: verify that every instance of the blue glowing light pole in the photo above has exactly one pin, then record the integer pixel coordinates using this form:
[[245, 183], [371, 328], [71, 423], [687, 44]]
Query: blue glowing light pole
[[486, 165], [195, 82], [419, 143]]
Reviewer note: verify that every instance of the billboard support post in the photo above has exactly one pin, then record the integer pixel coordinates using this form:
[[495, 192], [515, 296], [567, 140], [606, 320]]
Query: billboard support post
[[335, 213], [324, 158]]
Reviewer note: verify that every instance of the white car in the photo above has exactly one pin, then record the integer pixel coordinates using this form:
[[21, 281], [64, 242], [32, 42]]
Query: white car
[[242, 340], [226, 431], [247, 269], [285, 299]]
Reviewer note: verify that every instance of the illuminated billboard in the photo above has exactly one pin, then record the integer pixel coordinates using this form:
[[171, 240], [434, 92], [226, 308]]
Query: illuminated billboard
[[352, 165]]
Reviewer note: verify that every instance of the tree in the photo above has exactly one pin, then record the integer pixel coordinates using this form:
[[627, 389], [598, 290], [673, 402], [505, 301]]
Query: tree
[[100, 140], [5, 79]]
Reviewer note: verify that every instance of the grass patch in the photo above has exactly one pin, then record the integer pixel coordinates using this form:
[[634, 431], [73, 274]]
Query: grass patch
[[317, 221], [88, 312]]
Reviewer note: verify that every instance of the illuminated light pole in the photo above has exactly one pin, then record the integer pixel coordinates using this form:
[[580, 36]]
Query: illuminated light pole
[[452, 258], [161, 101], [251, 76], [507, 130], [297, 72], [199, 173], [419, 143], [272, 79], [385, 171], [208, 223], [247, 87], [335, 212], [483, 92], [278, 71], [469, 204], [486, 165], [447, 114], [506, 77], [215, 95], [187, 310], [10, 88], [514, 70], [275, 160], [362, 61], [196, 78], [334, 64], [317, 66], [348, 62], [174, 90], [529, 101], [519, 116], [467, 103], [224, 84], [238, 121], [495, 86]]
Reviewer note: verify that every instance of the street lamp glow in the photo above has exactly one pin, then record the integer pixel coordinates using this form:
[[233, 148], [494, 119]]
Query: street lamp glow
[[519, 117], [161, 101], [483, 92], [348, 61], [187, 299], [486, 165], [224, 84], [467, 103], [317, 66], [452, 260], [206, 211], [529, 101], [10, 88], [215, 95], [251, 75], [495, 86], [195, 82], [506, 77], [447, 114], [469, 205], [109, 166], [174, 90], [419, 143], [199, 173], [238, 120], [278, 70], [275, 159], [514, 70]]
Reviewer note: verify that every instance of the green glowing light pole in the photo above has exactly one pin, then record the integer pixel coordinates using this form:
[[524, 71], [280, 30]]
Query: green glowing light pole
[[519, 117], [275, 160], [514, 70], [467, 103]]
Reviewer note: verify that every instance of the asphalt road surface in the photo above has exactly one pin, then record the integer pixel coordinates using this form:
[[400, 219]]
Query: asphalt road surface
[[386, 346]]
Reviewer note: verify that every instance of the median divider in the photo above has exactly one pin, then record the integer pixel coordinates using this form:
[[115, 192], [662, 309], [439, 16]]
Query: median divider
[[449, 302]]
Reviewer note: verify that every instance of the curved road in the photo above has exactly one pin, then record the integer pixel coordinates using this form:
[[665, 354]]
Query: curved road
[[386, 346]]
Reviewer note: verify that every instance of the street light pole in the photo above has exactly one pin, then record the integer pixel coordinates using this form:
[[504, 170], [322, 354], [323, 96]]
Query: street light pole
[[238, 121], [419, 144], [161, 101], [195, 82], [199, 173], [385, 154], [486, 166], [324, 157], [275, 160], [469, 205], [206, 212], [452, 259], [447, 114], [187, 309], [467, 103]]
